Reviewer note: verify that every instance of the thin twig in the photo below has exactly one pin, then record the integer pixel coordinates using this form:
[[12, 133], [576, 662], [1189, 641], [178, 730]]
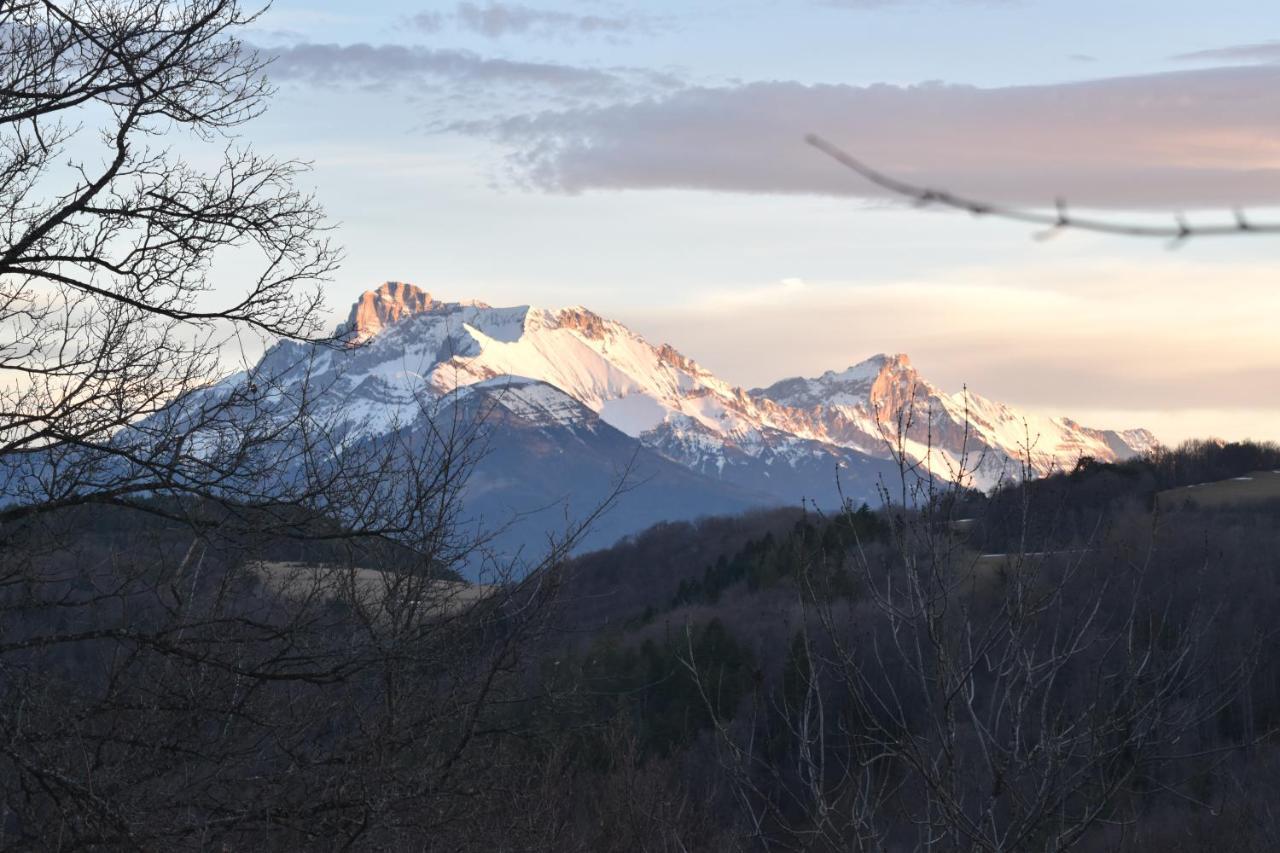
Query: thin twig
[[1055, 222]]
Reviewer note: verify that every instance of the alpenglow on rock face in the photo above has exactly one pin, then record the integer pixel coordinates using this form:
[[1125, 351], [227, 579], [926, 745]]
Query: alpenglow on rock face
[[884, 402], [589, 387], [669, 402], [377, 309]]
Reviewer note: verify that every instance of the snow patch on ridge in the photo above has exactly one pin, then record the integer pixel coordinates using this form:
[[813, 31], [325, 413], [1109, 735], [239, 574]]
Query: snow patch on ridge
[[545, 364], [634, 414]]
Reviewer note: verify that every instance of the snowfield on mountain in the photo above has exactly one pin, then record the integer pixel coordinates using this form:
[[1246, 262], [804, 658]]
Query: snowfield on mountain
[[669, 402]]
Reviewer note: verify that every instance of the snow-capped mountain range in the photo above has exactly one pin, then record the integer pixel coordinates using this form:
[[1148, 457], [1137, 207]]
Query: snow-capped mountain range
[[583, 387], [877, 407]]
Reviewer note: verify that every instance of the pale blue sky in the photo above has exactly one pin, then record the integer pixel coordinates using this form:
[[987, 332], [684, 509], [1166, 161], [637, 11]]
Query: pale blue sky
[[646, 160]]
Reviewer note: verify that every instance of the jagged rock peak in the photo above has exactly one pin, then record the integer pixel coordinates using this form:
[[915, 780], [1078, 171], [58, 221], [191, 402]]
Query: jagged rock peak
[[667, 354], [589, 323], [862, 381], [869, 369], [896, 361], [377, 309]]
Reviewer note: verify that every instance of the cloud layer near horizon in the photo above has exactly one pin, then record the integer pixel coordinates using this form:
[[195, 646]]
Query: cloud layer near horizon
[[1200, 138], [497, 20], [389, 65], [1265, 51], [1127, 339]]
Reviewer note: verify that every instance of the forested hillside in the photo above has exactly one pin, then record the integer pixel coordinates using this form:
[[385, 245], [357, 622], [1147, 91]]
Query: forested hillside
[[1069, 662]]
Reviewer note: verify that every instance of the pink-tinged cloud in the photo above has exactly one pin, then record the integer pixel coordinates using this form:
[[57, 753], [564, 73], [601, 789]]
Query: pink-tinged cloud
[[1203, 138], [1263, 51]]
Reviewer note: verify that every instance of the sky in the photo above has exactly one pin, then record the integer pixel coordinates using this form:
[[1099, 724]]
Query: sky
[[647, 160]]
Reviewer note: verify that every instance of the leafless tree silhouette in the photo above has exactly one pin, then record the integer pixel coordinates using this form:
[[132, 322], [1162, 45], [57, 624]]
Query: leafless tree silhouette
[[224, 617], [975, 702]]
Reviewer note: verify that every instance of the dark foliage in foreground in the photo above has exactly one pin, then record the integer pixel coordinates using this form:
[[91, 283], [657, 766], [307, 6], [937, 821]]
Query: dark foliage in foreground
[[1074, 506], [730, 684], [781, 750]]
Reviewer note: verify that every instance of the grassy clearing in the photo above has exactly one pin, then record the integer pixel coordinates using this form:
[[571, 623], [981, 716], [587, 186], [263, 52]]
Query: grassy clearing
[[370, 587], [1250, 488]]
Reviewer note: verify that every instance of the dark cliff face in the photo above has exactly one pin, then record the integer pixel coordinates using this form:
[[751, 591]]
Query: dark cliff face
[[536, 477]]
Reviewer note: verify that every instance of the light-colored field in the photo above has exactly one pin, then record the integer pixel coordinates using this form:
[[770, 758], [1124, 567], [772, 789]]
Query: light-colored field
[[373, 588], [1027, 556], [1252, 487]]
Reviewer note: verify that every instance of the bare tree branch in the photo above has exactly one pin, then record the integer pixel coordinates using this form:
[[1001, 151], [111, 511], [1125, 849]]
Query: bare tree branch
[[1177, 233]]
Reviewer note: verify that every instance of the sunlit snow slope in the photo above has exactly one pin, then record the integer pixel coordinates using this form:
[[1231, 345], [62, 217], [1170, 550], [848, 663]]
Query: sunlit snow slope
[[409, 341]]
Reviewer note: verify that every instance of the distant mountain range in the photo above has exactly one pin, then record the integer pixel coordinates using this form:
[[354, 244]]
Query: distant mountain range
[[574, 398]]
